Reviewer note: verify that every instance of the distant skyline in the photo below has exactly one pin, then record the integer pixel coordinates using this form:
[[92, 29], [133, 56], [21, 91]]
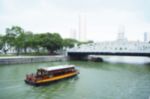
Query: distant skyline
[[103, 17]]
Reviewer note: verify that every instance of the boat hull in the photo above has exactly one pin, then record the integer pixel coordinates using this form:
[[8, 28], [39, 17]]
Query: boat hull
[[51, 80]]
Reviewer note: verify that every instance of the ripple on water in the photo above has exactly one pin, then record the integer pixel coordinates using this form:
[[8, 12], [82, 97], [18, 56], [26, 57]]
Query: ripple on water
[[96, 81]]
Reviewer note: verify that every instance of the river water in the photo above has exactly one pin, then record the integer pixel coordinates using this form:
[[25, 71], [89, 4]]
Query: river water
[[112, 79]]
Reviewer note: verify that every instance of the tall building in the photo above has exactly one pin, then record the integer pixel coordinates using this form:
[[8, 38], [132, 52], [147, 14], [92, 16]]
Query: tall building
[[145, 37], [82, 27], [121, 34], [73, 34]]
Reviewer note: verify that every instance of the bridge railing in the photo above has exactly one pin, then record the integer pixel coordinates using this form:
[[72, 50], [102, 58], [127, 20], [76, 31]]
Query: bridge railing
[[113, 47]]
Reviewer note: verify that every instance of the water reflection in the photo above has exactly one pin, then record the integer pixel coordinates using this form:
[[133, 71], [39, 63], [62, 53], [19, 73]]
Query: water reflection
[[54, 89], [114, 66]]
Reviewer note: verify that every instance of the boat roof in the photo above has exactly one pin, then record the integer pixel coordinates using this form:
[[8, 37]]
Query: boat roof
[[57, 67]]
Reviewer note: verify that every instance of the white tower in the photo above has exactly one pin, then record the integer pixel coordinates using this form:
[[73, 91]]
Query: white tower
[[82, 27], [73, 34], [121, 34], [145, 37]]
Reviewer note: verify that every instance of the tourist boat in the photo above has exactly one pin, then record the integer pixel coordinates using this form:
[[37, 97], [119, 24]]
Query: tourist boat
[[46, 75]]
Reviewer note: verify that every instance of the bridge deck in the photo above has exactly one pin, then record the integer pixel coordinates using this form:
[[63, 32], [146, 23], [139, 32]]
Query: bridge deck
[[107, 53]]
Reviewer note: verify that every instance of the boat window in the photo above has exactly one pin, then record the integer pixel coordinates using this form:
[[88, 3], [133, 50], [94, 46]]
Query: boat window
[[50, 75], [39, 72], [45, 73]]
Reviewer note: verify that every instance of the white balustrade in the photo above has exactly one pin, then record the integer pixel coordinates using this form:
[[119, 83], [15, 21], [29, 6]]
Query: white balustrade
[[113, 47]]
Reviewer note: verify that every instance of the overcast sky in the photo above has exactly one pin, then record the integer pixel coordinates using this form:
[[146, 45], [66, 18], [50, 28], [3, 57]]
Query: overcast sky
[[103, 17]]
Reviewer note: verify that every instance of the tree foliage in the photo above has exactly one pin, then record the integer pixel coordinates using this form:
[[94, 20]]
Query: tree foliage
[[15, 37], [69, 42], [51, 42], [1, 42], [21, 40]]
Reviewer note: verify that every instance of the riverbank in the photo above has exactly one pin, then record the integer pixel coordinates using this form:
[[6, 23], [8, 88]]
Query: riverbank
[[31, 59]]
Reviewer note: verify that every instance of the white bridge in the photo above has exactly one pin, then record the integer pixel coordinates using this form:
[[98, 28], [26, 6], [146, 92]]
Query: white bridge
[[122, 48]]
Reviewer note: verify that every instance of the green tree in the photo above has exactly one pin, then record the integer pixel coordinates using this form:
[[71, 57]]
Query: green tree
[[87, 42], [51, 41], [1, 42], [21, 40], [28, 40], [69, 42], [35, 42], [15, 37]]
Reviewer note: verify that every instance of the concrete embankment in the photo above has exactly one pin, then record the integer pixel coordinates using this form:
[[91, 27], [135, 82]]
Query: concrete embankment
[[31, 59]]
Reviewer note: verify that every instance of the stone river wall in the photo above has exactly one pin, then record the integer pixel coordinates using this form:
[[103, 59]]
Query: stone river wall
[[31, 59]]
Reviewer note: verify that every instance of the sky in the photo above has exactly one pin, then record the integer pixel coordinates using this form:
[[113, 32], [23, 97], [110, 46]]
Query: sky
[[103, 17]]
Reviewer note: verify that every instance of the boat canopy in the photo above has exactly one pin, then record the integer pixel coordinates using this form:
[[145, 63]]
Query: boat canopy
[[56, 67]]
